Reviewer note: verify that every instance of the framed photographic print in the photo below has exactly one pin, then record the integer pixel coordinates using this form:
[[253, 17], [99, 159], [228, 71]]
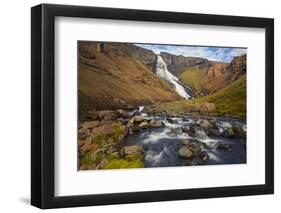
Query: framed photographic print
[[140, 106]]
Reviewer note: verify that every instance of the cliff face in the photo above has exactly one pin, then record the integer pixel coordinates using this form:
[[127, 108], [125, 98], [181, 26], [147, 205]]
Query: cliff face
[[177, 64], [145, 56], [114, 75]]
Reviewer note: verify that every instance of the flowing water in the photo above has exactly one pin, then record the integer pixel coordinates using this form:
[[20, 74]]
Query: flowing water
[[160, 146], [163, 72]]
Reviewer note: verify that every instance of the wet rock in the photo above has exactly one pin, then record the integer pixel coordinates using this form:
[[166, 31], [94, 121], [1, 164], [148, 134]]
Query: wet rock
[[127, 150], [176, 131], [138, 119], [199, 133], [195, 148], [205, 123], [156, 123], [122, 113], [172, 121], [239, 130], [228, 132], [185, 142], [190, 148], [185, 129], [226, 124], [204, 156], [143, 125], [223, 146], [135, 129], [185, 152]]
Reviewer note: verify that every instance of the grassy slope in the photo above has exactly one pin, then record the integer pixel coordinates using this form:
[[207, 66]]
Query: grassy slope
[[192, 77], [109, 76], [229, 101]]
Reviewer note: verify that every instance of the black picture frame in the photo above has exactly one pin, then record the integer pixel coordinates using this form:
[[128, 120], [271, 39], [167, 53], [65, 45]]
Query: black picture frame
[[43, 117]]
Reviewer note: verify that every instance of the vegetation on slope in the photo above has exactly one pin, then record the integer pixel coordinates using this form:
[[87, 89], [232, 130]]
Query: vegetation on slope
[[230, 101], [192, 77]]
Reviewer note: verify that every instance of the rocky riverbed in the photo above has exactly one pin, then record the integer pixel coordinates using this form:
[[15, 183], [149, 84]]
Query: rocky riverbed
[[135, 138]]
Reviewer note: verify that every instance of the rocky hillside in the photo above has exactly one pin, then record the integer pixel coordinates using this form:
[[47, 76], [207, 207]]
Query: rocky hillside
[[214, 76], [115, 75]]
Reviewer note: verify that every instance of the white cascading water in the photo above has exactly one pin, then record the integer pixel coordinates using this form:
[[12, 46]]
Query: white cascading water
[[163, 72]]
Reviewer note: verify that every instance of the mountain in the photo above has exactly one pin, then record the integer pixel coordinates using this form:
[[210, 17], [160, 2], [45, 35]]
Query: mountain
[[214, 76], [113, 75]]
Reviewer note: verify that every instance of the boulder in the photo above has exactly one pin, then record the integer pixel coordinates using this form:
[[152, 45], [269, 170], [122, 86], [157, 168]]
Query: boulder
[[226, 124], [107, 115], [170, 120], [185, 142], [228, 132], [127, 150], [185, 129], [204, 156], [195, 148], [207, 108], [223, 146], [176, 131], [90, 124], [92, 115], [138, 119], [199, 133], [205, 124], [106, 129], [239, 130], [143, 125], [156, 123], [83, 133], [185, 152], [122, 113]]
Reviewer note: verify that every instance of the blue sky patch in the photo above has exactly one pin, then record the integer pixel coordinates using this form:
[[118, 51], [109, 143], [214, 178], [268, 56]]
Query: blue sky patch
[[223, 54]]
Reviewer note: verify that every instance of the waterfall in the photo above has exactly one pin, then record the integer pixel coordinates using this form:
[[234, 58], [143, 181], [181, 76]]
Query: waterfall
[[163, 72]]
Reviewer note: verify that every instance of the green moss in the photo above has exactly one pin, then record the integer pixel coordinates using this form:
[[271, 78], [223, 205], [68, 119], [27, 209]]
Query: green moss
[[134, 157], [118, 131], [113, 156], [99, 139], [123, 164], [86, 159], [99, 157]]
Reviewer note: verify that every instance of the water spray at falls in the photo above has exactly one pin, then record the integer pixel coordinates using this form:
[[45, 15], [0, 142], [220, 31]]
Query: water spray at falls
[[163, 72]]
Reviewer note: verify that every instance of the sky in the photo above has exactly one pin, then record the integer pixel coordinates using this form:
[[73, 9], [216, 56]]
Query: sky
[[223, 54]]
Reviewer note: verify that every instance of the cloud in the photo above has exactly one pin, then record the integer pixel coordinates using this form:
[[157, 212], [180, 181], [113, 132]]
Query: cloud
[[224, 54]]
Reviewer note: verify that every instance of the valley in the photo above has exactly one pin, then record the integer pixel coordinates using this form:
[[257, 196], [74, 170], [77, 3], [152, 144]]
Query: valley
[[139, 109]]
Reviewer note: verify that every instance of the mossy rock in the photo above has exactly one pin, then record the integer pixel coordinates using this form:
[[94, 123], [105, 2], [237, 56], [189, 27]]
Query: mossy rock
[[134, 157], [123, 164]]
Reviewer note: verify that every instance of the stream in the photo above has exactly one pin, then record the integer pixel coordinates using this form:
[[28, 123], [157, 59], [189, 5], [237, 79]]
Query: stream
[[161, 145]]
